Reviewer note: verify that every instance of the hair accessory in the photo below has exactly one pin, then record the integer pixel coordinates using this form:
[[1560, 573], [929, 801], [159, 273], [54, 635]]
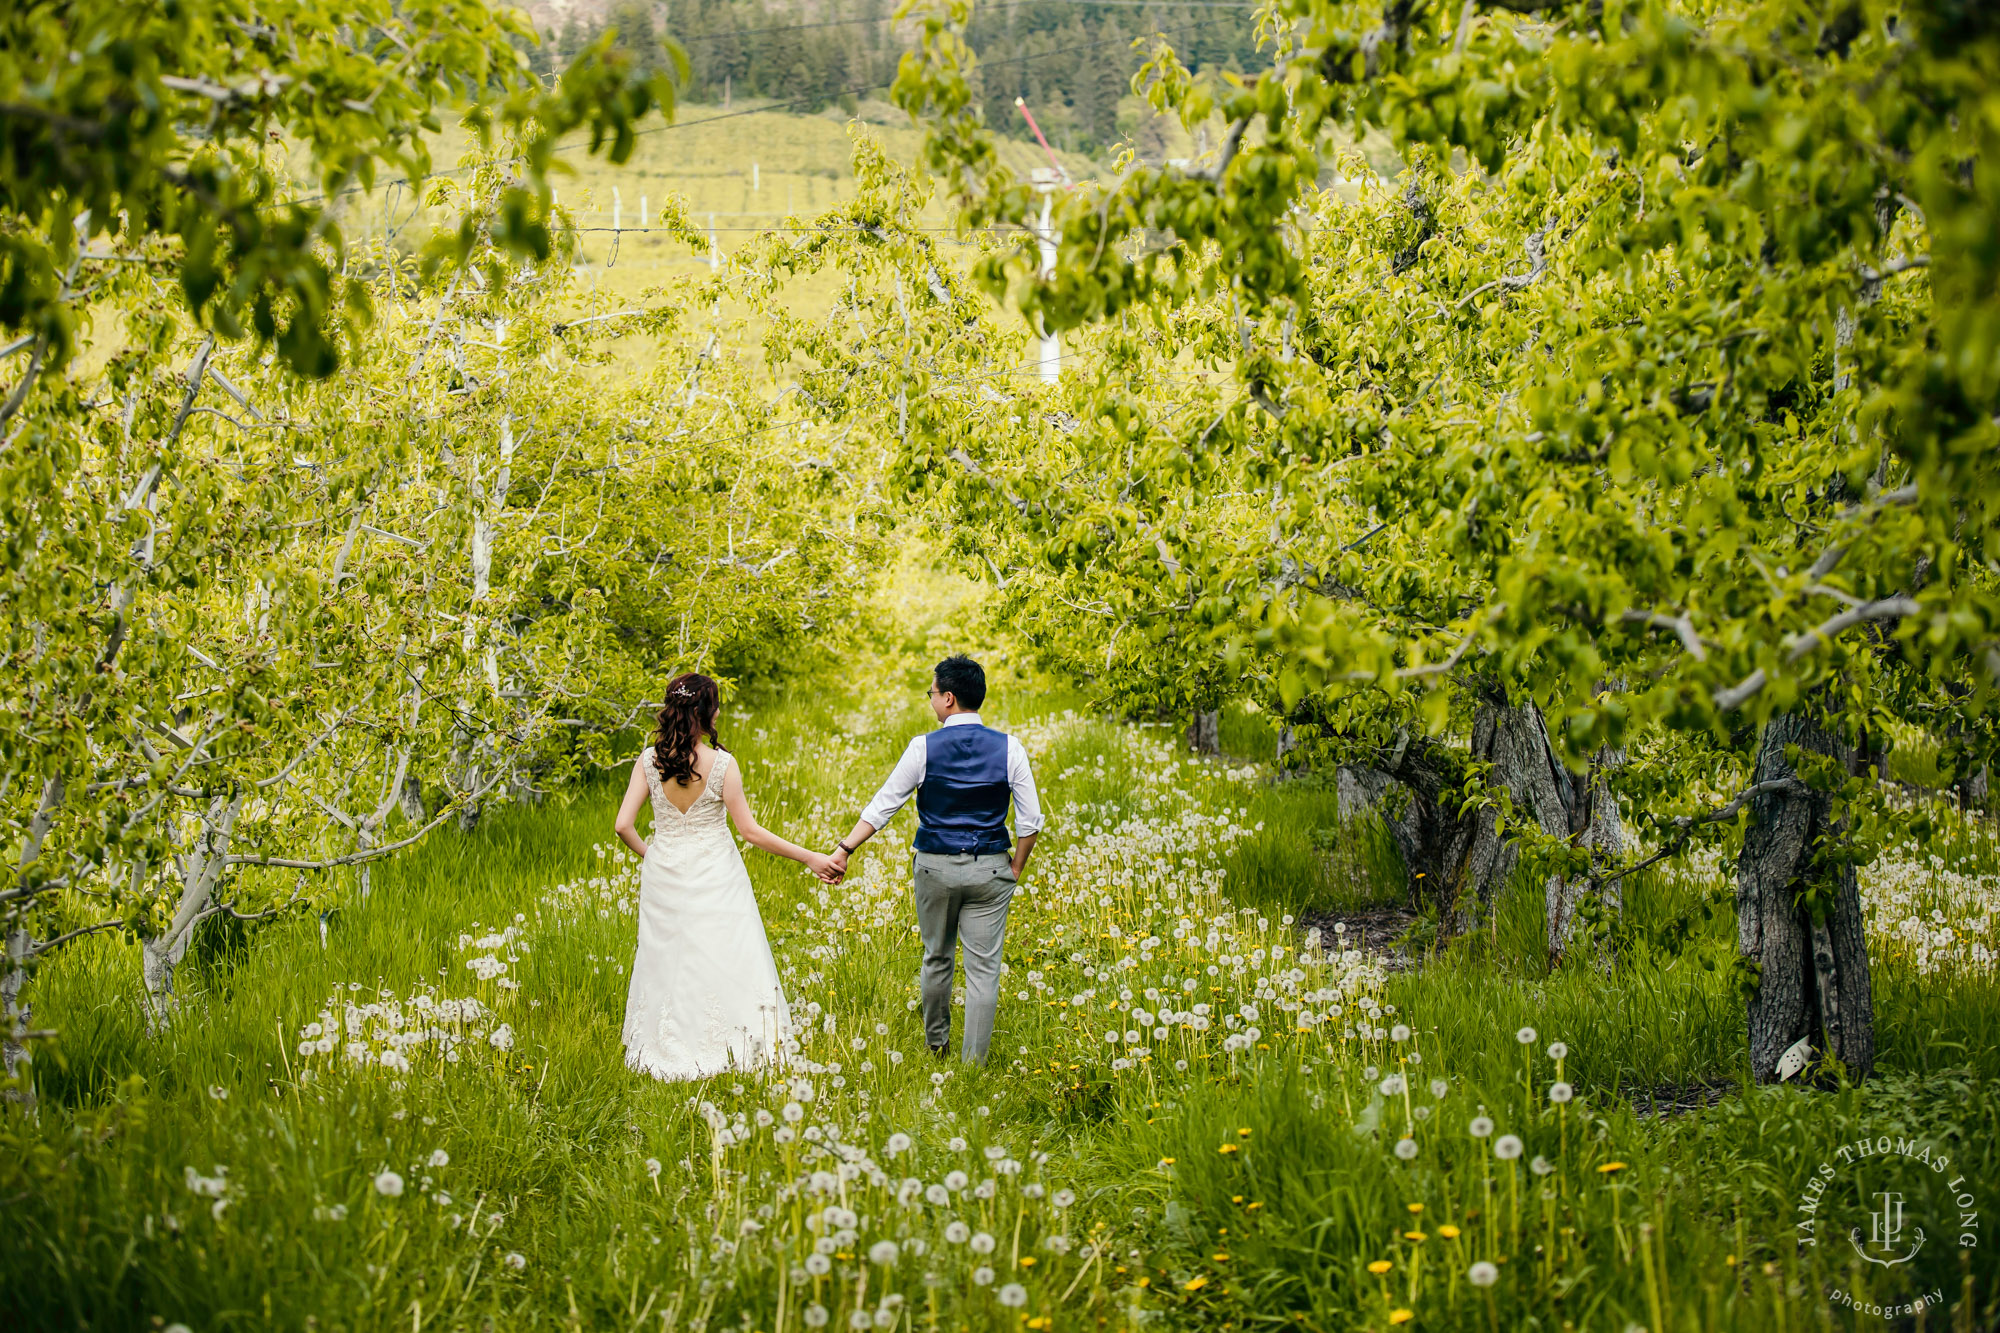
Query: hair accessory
[[683, 692]]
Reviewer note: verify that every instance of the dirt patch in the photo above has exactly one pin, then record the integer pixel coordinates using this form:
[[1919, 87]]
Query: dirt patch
[[1373, 930], [1676, 1099]]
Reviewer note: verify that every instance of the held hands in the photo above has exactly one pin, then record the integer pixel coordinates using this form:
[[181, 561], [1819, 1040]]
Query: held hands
[[832, 868]]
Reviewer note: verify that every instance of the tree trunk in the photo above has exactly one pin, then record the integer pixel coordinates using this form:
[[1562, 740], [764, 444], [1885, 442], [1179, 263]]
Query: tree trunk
[[1456, 863], [22, 947], [1204, 733], [1810, 967], [18, 1016], [412, 798], [1593, 824], [201, 869], [1288, 741], [1442, 850]]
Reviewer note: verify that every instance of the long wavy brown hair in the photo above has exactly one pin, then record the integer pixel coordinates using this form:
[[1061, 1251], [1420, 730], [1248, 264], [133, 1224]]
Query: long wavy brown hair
[[687, 715]]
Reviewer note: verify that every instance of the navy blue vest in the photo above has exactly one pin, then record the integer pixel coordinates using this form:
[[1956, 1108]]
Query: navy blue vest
[[962, 802]]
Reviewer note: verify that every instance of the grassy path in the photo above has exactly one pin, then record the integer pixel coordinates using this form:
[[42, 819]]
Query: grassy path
[[1196, 1114]]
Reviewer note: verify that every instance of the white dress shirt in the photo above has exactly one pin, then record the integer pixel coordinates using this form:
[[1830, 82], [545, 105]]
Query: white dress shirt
[[908, 775]]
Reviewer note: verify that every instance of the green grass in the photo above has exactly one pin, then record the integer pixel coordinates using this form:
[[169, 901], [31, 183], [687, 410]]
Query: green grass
[[1167, 1229]]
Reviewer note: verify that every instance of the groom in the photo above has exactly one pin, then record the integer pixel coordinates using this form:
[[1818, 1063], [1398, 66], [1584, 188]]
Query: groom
[[962, 775]]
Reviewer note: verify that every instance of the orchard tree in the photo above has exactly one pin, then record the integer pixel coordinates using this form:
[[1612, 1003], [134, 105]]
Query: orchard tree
[[1650, 416], [145, 186], [452, 571]]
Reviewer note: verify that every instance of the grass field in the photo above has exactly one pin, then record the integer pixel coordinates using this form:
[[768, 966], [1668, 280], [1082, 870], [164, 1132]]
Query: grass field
[[1196, 1114], [740, 171]]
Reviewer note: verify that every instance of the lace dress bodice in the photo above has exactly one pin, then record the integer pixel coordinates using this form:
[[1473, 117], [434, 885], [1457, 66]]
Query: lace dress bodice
[[707, 818], [705, 993]]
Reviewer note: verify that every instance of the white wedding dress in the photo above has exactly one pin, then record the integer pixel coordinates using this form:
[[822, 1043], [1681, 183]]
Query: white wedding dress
[[705, 993]]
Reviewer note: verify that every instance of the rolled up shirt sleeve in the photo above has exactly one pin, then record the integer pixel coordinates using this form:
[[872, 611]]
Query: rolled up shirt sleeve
[[1021, 781], [904, 779]]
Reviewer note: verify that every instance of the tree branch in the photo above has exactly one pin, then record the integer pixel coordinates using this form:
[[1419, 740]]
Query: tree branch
[[373, 853], [1685, 823], [1471, 633], [964, 460], [1538, 264], [1681, 625]]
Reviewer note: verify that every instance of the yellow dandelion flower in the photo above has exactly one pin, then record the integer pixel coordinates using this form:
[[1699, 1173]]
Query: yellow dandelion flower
[[1401, 1316], [1448, 1231], [1227, 1148], [1609, 1167], [1417, 1236], [1242, 1133], [1416, 1208], [1195, 1283], [1379, 1267]]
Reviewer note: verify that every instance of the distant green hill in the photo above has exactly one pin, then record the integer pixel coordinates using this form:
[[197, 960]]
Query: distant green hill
[[1071, 60]]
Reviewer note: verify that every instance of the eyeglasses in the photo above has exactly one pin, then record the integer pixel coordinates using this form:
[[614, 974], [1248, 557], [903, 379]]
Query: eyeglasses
[[933, 692]]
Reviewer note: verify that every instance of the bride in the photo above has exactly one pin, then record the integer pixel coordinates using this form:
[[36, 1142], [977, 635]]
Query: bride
[[705, 993]]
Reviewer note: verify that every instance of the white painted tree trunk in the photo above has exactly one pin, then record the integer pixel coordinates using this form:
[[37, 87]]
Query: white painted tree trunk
[[487, 502], [1049, 353], [201, 869], [22, 946]]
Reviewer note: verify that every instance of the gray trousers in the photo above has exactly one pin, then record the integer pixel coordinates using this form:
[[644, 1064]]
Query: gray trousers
[[962, 899]]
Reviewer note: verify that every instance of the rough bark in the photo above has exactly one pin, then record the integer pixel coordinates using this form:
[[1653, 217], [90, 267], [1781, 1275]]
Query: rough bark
[[1204, 732], [1594, 824], [412, 798], [1457, 863], [1810, 968], [1288, 741]]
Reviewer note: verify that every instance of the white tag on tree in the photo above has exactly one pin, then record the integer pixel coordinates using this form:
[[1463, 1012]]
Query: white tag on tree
[[1794, 1059]]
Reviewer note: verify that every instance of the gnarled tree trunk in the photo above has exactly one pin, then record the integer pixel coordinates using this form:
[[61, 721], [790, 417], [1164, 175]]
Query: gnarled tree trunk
[[1458, 863], [1204, 732], [1811, 967], [1592, 810]]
